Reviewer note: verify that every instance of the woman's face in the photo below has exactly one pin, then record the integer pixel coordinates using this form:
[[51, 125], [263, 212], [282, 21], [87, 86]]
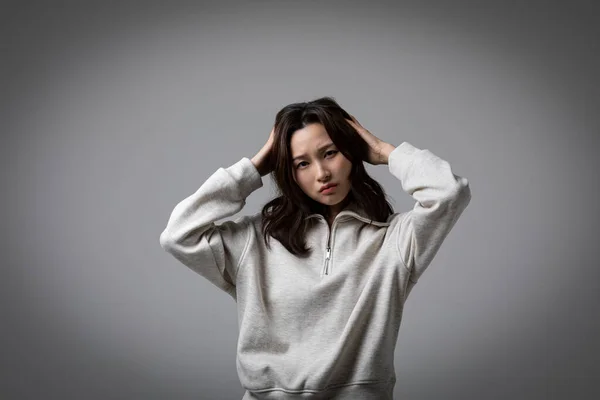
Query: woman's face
[[317, 162]]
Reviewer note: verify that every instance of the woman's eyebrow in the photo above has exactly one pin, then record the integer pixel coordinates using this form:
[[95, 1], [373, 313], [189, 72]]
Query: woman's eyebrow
[[320, 149]]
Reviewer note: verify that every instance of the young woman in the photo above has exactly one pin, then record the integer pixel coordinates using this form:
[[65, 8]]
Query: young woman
[[320, 276]]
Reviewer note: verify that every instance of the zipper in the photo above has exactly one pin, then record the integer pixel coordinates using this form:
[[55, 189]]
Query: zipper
[[325, 270], [328, 251]]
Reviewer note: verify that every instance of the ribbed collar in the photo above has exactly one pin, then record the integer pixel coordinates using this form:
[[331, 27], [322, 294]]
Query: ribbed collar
[[353, 209]]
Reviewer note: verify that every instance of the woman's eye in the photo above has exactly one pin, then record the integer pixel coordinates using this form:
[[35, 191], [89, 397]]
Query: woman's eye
[[303, 162]]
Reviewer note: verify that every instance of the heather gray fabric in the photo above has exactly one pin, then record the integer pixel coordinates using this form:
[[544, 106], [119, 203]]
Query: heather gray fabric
[[318, 327]]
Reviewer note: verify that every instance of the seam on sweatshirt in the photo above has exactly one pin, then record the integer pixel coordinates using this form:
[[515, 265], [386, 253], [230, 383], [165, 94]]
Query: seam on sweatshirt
[[398, 246], [325, 389], [246, 246]]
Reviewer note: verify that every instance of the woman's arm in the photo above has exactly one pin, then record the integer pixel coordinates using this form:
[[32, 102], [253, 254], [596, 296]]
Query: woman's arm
[[191, 235], [441, 197]]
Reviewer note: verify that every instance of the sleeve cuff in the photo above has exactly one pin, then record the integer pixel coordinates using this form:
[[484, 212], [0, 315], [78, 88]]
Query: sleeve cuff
[[396, 156], [246, 174]]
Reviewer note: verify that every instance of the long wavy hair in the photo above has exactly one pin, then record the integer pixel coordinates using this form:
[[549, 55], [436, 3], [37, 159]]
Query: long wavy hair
[[284, 217]]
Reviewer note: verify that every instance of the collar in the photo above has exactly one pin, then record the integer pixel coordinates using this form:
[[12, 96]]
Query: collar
[[352, 210]]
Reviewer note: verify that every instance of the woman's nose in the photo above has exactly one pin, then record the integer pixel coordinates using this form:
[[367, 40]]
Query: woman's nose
[[323, 174]]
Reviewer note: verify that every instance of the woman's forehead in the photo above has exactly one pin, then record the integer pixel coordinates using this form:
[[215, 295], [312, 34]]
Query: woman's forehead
[[309, 138]]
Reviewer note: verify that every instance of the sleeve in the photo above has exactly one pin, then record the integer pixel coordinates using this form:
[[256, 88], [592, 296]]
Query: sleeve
[[214, 250], [441, 197]]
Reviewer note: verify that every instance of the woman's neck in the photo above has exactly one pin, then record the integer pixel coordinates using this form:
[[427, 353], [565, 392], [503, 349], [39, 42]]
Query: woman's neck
[[333, 211]]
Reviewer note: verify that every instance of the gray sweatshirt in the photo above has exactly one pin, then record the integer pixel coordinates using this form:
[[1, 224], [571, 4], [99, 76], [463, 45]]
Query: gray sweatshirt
[[326, 326]]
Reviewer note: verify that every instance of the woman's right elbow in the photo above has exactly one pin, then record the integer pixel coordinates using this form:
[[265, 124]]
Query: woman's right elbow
[[166, 240]]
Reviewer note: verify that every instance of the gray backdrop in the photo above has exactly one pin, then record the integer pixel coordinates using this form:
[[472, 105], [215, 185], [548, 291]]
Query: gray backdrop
[[113, 114]]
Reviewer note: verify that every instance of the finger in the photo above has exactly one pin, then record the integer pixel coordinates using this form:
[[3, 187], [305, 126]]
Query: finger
[[356, 121]]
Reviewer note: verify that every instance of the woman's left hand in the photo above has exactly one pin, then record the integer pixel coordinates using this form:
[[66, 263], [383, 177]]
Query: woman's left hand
[[378, 149]]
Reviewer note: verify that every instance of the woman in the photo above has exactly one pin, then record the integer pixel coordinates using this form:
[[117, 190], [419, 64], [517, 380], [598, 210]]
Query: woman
[[320, 276]]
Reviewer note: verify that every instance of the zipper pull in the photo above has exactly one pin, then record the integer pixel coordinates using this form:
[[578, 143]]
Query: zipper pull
[[328, 253], [327, 261]]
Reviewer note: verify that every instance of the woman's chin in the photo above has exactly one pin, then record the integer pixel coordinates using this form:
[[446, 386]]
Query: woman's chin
[[330, 199]]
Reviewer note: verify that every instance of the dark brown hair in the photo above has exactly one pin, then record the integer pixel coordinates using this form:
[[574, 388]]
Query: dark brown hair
[[284, 217]]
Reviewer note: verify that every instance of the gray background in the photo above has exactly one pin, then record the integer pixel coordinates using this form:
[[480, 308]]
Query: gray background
[[112, 114]]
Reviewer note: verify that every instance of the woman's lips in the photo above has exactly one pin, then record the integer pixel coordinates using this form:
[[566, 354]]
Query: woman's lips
[[329, 189]]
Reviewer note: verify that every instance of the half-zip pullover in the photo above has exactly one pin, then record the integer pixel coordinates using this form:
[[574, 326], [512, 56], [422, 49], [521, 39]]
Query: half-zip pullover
[[325, 326]]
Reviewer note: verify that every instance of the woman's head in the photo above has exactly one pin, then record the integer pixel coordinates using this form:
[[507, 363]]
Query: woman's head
[[317, 163], [315, 146]]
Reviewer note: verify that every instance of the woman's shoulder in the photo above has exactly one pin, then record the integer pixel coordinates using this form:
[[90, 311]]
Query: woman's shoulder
[[396, 218], [254, 220]]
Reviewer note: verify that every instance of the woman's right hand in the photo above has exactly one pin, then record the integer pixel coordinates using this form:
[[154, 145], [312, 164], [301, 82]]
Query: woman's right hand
[[262, 159]]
